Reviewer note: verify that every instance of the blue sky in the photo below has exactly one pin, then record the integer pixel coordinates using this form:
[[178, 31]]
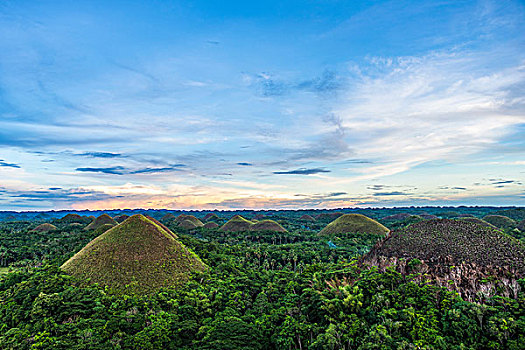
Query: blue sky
[[294, 104]]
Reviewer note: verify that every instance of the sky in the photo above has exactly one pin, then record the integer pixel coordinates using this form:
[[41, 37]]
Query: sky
[[261, 105]]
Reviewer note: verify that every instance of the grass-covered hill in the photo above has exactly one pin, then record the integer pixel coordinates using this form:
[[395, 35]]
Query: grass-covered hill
[[267, 225], [500, 221], [168, 217], [477, 221], [237, 224], [329, 216], [184, 217], [211, 225], [188, 225], [44, 228], [521, 226], [353, 223], [102, 220], [121, 218], [397, 217], [139, 255], [307, 217], [458, 254], [74, 219], [516, 214], [211, 217]]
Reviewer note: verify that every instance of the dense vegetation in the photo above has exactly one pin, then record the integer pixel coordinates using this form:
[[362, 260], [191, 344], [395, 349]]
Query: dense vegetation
[[263, 290]]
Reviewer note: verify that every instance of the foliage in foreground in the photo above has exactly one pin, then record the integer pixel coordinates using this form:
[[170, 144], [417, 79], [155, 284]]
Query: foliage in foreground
[[263, 290]]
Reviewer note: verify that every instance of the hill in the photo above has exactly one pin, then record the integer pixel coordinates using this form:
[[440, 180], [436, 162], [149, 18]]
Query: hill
[[307, 217], [477, 221], [75, 218], [138, 256], [168, 217], [516, 214], [329, 216], [182, 217], [211, 216], [397, 217], [211, 225], [187, 224], [457, 254], [102, 220], [267, 225], [121, 218], [353, 223], [501, 222], [237, 224], [44, 228]]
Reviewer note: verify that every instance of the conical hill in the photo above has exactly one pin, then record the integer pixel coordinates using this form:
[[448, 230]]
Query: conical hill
[[139, 255], [168, 217], [353, 223], [75, 219], [501, 221], [44, 228], [102, 220], [237, 224], [121, 218], [307, 217], [182, 217], [267, 225], [211, 216]]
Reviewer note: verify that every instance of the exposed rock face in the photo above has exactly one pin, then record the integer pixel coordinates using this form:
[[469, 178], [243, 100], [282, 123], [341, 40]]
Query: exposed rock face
[[455, 254]]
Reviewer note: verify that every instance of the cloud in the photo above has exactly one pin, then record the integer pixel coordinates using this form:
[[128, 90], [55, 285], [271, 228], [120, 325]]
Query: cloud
[[245, 164], [270, 87], [117, 170], [327, 84], [157, 170], [503, 182], [406, 111], [10, 165], [73, 195], [377, 187], [101, 154], [336, 194], [302, 171], [393, 193], [120, 170]]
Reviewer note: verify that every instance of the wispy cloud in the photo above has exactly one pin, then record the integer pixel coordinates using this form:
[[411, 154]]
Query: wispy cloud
[[9, 165], [101, 154], [120, 170], [302, 171], [393, 193], [117, 170]]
